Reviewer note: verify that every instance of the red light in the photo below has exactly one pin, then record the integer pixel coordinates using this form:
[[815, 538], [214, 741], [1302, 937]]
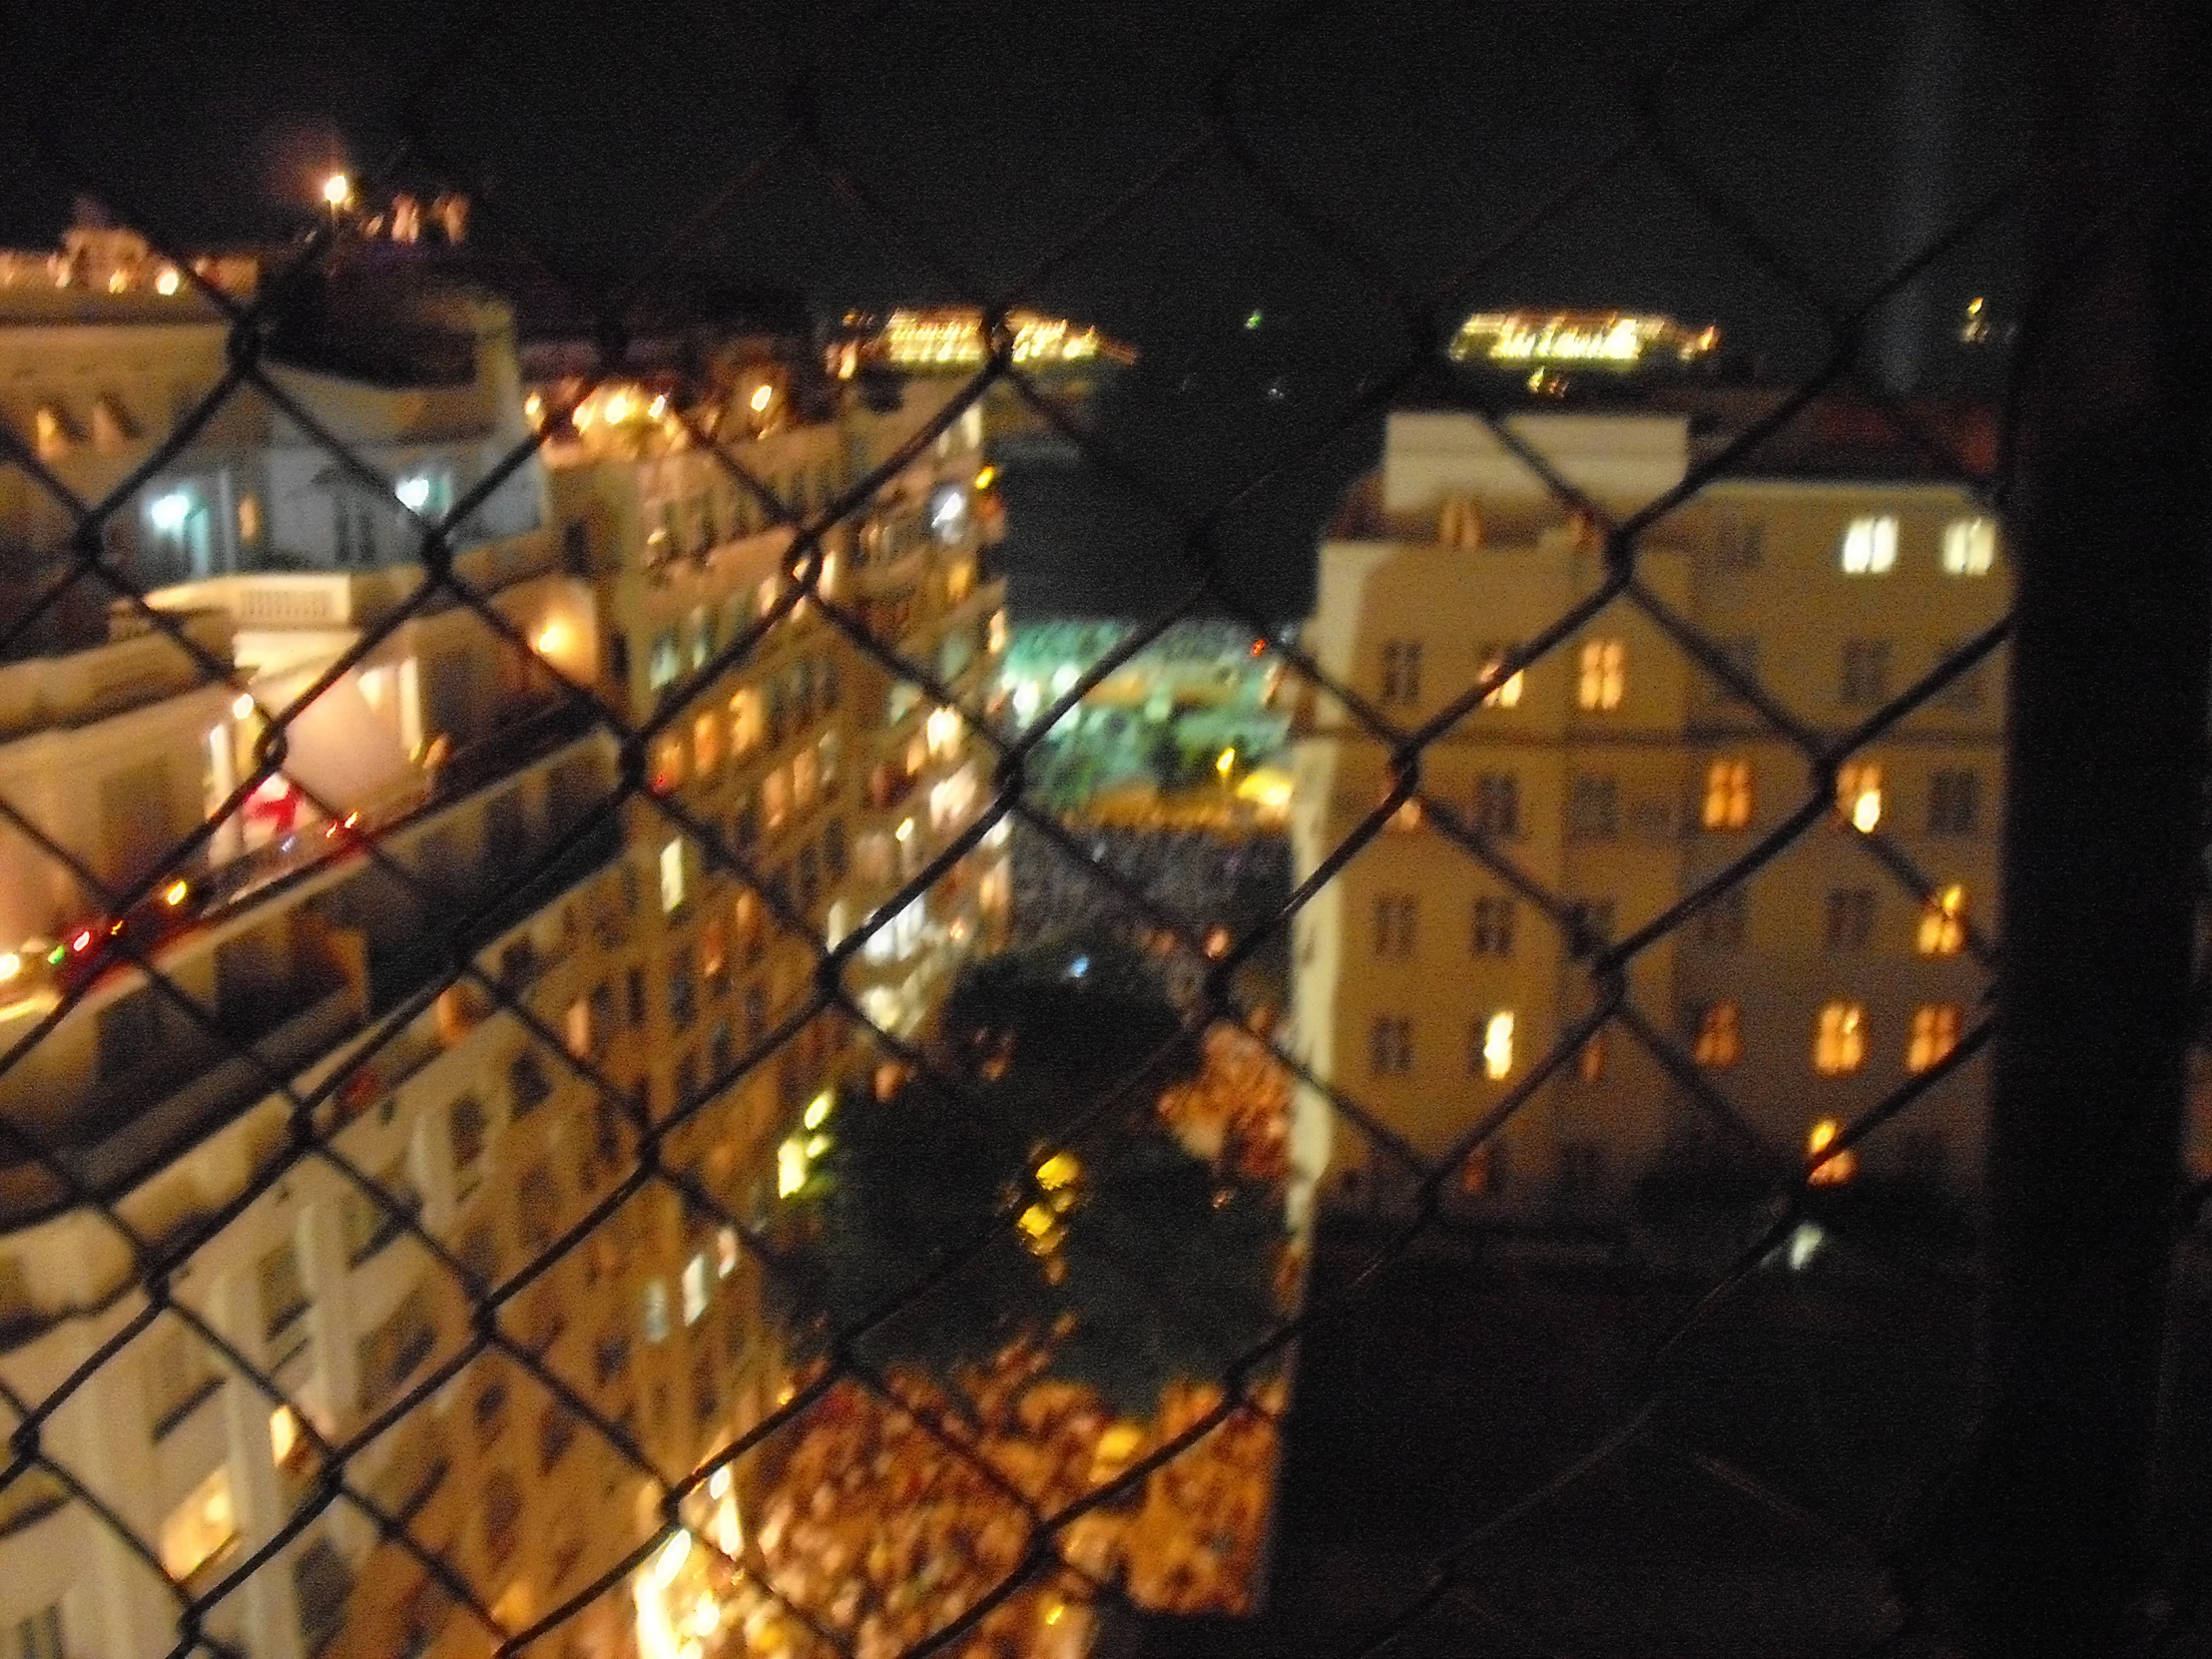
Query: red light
[[83, 942], [1259, 646]]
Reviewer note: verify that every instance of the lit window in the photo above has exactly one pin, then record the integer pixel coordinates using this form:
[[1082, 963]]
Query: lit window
[[1402, 671], [283, 1434], [1834, 1169], [57, 434], [1498, 1044], [1870, 545], [1859, 795], [1839, 1039], [201, 1530], [1604, 674], [672, 874], [698, 1282], [1506, 693], [112, 425], [576, 1028], [744, 722], [1970, 546], [668, 763], [1727, 796], [1944, 922], [1720, 1036], [706, 745], [1934, 1035]]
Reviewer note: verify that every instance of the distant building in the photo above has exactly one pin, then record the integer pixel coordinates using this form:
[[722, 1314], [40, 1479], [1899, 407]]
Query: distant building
[[1618, 775]]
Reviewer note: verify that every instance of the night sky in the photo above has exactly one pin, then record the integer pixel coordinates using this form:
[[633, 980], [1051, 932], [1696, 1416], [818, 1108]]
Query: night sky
[[1413, 136]]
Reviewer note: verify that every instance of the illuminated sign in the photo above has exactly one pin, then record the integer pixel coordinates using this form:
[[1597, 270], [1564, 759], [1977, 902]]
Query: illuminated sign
[[1614, 340]]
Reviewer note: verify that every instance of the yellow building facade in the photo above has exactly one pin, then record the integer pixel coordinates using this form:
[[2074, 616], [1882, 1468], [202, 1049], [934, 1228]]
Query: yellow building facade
[[1609, 781]]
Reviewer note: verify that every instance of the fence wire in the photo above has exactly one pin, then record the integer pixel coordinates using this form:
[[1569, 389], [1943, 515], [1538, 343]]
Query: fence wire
[[991, 1508]]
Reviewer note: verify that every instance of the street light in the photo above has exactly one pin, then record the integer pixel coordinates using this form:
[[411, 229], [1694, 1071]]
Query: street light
[[337, 191]]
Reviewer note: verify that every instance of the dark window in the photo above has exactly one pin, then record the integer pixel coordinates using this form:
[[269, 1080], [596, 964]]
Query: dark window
[[1402, 671], [1493, 928], [1850, 919], [1394, 924], [284, 1291], [1497, 803], [1955, 803], [1594, 808], [1725, 921], [1390, 1046], [527, 1082], [1865, 675], [466, 1127]]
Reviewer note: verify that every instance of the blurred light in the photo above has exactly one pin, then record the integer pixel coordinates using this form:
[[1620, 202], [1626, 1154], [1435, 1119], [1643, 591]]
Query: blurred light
[[337, 190], [658, 407], [1804, 1244], [985, 477], [1497, 1045], [818, 1111], [790, 1168], [1253, 321], [763, 396], [1224, 763], [83, 941], [242, 707], [718, 1484], [413, 493], [168, 282], [1080, 966], [553, 637], [175, 894], [11, 965], [670, 1561], [168, 512], [283, 1432], [905, 830], [1059, 1170]]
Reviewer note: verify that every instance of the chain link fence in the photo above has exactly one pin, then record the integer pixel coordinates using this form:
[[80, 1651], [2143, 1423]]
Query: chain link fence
[[603, 1182]]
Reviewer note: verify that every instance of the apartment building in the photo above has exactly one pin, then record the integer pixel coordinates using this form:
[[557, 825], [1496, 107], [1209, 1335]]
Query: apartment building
[[1618, 775], [384, 400], [301, 1202]]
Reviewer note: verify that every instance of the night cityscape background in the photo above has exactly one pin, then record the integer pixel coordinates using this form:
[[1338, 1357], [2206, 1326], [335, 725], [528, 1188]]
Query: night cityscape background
[[1284, 829]]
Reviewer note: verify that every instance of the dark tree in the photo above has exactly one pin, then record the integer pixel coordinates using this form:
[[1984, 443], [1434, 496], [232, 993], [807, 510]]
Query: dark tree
[[1135, 1262]]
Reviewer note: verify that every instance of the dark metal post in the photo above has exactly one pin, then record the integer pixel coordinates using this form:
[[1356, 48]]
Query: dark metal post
[[2110, 530]]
